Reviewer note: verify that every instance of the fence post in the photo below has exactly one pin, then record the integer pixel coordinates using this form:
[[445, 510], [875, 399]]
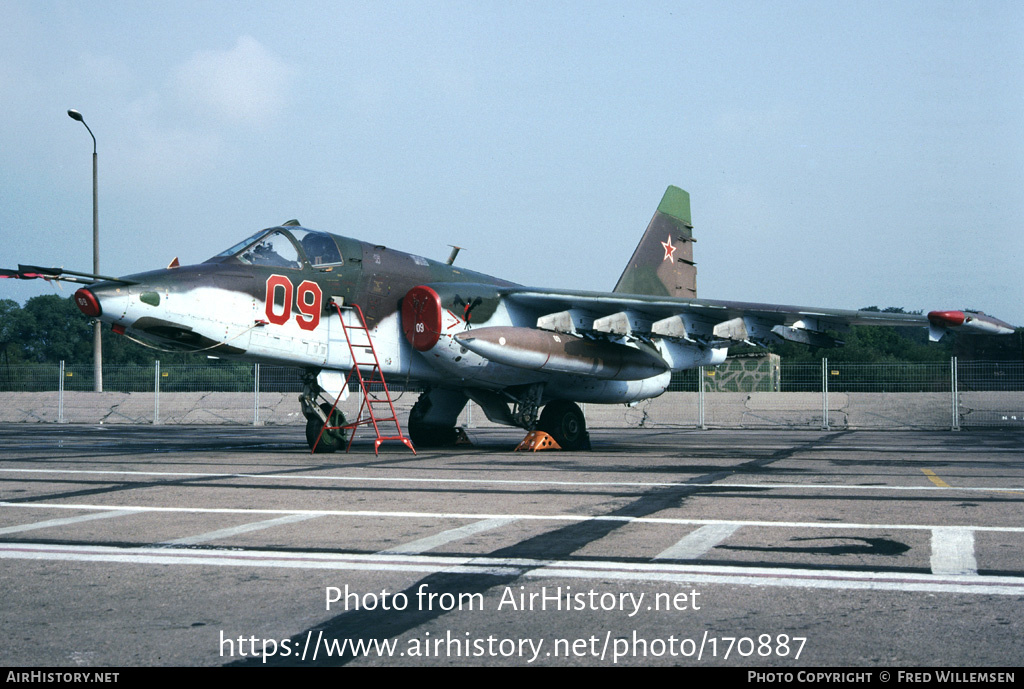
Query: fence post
[[700, 399], [60, 394], [256, 394], [156, 392], [955, 388], [824, 394]]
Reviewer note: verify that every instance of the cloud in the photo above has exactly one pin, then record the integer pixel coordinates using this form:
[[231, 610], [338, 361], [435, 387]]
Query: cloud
[[245, 85]]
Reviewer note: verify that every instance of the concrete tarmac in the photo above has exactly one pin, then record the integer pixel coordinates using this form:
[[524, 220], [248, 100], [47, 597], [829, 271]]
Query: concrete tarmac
[[219, 545]]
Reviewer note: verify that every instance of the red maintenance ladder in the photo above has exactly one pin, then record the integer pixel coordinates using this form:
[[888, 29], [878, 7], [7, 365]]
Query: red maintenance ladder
[[376, 398]]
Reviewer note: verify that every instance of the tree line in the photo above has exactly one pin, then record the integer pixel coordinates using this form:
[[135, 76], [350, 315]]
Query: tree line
[[50, 328]]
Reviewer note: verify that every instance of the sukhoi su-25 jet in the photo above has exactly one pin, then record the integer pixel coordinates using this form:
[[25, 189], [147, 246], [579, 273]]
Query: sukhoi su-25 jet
[[300, 297]]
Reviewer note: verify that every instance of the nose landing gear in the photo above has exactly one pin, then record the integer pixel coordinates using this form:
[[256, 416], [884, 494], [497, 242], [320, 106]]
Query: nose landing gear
[[325, 434], [324, 428]]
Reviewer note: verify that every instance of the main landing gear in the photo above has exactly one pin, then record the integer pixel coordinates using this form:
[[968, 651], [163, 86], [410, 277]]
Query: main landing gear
[[564, 421], [561, 419], [433, 417]]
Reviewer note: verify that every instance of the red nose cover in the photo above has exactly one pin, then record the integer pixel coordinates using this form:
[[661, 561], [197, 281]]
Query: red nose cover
[[421, 317], [87, 303], [950, 319]]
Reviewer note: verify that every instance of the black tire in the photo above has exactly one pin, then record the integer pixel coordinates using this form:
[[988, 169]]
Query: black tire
[[428, 435], [331, 440], [564, 422]]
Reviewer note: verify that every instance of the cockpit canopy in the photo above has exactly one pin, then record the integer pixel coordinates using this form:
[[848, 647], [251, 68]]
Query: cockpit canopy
[[284, 248]]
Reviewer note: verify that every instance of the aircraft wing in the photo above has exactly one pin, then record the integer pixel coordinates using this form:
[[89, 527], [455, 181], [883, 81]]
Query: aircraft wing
[[720, 323]]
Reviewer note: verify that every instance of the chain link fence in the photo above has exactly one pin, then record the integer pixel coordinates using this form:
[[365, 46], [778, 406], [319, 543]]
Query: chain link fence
[[752, 391]]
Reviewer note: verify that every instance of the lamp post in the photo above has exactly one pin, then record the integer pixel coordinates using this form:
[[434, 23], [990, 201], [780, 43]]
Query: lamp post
[[97, 346]]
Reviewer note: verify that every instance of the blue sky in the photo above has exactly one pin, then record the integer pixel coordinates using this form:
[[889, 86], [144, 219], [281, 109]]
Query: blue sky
[[838, 154]]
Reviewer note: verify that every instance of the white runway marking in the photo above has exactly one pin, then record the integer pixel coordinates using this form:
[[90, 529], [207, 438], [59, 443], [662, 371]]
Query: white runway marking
[[240, 529], [603, 570], [953, 551], [523, 482], [431, 542], [697, 543], [66, 520], [478, 516]]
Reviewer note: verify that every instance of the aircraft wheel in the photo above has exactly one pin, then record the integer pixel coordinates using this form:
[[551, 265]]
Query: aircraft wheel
[[331, 440], [429, 435], [564, 422]]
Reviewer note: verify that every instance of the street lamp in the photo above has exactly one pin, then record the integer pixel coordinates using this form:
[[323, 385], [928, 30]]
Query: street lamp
[[97, 347]]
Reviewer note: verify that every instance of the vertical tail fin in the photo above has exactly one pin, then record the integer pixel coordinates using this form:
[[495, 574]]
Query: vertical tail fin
[[662, 264]]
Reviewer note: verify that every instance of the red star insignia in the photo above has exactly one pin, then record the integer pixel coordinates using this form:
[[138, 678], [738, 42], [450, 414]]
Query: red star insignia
[[670, 250]]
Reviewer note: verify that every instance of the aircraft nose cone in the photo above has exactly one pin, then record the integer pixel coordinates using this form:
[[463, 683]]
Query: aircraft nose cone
[[87, 303]]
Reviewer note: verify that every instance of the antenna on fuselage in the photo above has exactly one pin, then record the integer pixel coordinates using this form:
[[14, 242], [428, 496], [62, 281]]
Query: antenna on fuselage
[[291, 223], [453, 254]]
